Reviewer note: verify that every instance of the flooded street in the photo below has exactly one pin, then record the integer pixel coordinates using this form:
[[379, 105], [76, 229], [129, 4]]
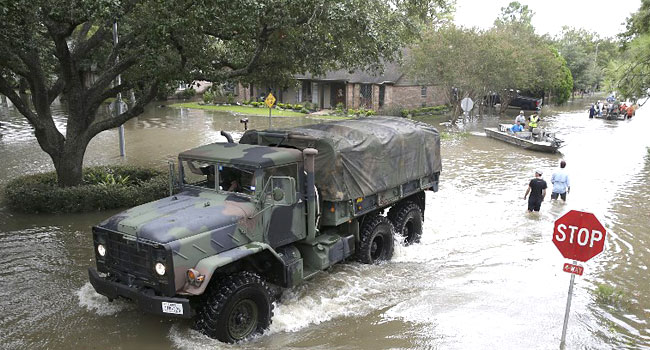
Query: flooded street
[[486, 275]]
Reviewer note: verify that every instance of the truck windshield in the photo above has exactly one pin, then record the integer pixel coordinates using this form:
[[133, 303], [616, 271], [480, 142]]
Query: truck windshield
[[198, 173], [218, 176], [233, 178]]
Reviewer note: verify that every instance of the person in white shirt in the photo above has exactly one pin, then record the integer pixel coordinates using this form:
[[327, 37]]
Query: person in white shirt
[[561, 183]]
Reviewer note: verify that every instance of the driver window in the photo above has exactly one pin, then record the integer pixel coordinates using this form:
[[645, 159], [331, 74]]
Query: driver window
[[198, 173], [236, 179], [287, 170]]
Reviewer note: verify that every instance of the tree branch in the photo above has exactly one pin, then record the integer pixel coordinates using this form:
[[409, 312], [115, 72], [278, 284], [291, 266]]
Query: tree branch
[[109, 123], [105, 79], [55, 90], [262, 42]]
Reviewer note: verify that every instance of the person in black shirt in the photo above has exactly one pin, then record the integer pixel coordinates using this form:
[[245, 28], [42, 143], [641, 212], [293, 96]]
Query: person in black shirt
[[537, 190]]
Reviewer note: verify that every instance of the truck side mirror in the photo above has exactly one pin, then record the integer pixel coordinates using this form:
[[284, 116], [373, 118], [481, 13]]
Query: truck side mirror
[[282, 190]]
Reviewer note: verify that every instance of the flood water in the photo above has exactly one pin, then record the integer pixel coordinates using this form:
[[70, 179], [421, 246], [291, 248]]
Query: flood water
[[486, 275]]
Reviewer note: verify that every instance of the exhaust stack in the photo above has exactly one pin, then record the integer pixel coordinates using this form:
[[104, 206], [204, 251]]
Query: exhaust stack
[[309, 156]]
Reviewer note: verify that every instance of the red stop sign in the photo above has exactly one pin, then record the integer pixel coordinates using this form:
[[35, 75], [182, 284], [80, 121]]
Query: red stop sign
[[579, 235]]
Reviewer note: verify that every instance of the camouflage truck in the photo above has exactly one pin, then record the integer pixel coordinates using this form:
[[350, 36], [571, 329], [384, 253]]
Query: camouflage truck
[[251, 218]]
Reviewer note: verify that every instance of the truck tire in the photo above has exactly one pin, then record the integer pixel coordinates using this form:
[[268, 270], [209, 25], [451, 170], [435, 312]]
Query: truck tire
[[407, 220], [376, 240], [237, 308]]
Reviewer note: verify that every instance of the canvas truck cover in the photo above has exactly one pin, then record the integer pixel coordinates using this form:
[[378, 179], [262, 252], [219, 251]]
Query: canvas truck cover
[[360, 157]]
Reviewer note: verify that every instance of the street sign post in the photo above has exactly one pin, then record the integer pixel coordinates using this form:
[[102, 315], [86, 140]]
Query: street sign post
[[579, 236], [269, 101]]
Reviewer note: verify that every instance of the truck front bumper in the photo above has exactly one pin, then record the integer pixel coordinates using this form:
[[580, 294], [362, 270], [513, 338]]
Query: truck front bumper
[[149, 302]]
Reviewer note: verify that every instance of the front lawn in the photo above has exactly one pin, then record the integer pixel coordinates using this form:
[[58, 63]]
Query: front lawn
[[240, 109]]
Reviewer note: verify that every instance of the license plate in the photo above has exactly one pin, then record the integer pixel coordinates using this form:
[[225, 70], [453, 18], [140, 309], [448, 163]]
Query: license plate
[[172, 308]]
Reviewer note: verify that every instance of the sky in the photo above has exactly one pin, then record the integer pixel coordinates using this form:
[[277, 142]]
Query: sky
[[603, 17]]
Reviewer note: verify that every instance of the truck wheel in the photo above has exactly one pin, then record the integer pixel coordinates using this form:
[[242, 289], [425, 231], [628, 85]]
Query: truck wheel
[[237, 308], [407, 220], [376, 240]]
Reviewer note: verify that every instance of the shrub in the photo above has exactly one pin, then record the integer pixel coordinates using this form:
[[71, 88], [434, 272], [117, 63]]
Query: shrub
[[230, 99], [298, 107], [208, 97], [340, 109], [187, 93], [105, 187], [304, 110]]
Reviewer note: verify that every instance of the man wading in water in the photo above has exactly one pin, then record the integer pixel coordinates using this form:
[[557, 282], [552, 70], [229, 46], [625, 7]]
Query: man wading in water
[[537, 190]]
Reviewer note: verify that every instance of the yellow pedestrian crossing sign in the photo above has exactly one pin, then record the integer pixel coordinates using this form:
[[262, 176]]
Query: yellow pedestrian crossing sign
[[270, 100]]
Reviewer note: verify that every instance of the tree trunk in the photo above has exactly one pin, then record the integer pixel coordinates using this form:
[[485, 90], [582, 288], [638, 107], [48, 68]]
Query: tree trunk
[[69, 164]]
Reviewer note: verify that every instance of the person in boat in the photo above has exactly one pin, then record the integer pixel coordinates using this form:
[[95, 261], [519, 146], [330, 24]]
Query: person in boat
[[630, 111], [533, 120], [592, 111], [537, 190], [623, 108], [517, 127], [521, 118], [600, 108], [561, 184]]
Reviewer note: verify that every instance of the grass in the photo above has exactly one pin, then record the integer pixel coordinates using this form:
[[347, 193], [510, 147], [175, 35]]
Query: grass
[[239, 109], [331, 117]]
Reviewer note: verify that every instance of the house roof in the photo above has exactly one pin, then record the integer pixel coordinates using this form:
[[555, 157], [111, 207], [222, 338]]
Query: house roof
[[392, 73]]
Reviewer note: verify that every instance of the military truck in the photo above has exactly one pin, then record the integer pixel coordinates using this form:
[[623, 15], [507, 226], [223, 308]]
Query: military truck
[[249, 219]]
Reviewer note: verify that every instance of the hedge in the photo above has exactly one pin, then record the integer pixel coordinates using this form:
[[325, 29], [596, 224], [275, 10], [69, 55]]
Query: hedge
[[39, 193]]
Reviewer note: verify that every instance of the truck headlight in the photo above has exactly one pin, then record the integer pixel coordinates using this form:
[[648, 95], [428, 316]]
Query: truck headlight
[[160, 268], [101, 250]]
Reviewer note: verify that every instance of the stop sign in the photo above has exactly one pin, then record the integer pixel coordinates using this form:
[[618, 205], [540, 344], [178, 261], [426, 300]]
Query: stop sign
[[579, 235]]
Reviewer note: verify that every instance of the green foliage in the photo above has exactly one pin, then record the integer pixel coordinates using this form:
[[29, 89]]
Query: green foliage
[[304, 110], [310, 106], [340, 109], [516, 14], [563, 86], [208, 97], [507, 57], [361, 112], [230, 99], [610, 295], [186, 94], [105, 177], [629, 74], [586, 56], [103, 188]]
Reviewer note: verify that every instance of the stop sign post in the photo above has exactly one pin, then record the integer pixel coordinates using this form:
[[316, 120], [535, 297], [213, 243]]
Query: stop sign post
[[578, 236]]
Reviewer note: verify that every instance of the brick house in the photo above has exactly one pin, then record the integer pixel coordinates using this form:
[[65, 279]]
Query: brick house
[[392, 89]]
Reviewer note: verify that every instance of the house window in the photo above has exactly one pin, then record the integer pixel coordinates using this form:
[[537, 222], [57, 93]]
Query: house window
[[366, 96], [382, 93], [231, 88], [423, 92]]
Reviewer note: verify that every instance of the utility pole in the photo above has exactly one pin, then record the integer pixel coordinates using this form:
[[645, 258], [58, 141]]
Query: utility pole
[[118, 101]]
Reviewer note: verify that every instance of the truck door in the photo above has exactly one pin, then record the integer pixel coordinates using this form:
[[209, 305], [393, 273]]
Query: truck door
[[285, 219]]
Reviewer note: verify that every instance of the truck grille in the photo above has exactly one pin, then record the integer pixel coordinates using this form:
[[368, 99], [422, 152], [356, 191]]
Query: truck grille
[[132, 261]]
